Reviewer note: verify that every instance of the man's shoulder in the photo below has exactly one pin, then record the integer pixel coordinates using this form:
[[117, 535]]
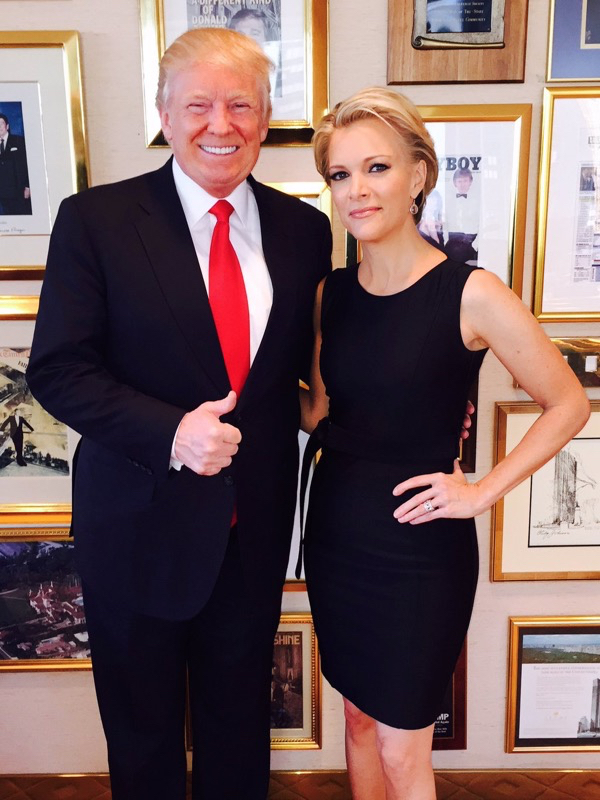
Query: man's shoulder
[[124, 192]]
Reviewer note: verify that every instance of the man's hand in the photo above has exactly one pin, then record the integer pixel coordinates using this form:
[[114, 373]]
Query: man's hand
[[204, 443], [464, 434], [27, 193]]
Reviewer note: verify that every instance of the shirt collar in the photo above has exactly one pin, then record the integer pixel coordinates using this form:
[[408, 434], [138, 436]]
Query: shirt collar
[[197, 202]]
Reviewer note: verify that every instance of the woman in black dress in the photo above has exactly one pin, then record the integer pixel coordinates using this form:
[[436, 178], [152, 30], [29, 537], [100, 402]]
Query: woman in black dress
[[390, 545]]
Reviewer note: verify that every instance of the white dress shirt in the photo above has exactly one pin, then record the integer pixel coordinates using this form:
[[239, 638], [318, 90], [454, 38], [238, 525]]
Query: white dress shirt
[[245, 236]]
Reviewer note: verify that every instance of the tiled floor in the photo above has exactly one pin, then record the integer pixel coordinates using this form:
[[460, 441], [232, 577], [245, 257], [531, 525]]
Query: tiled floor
[[487, 785]]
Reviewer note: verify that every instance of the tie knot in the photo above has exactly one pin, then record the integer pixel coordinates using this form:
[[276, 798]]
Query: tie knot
[[222, 210]]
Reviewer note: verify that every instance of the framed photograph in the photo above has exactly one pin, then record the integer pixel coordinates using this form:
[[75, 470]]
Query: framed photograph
[[456, 41], [42, 619], [476, 212], [553, 685], [293, 33], [583, 356], [567, 272], [295, 687], [548, 527], [315, 193], [36, 450], [450, 729], [42, 142], [574, 41]]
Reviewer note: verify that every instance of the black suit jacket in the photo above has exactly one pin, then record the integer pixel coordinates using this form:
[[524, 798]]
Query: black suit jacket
[[14, 428], [14, 176], [125, 344]]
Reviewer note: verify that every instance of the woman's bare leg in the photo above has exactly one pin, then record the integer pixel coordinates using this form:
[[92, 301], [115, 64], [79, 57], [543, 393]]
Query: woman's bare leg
[[406, 761], [362, 757]]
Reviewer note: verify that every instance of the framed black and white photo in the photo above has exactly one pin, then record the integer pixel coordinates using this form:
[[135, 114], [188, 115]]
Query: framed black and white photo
[[42, 142], [548, 527], [574, 41], [42, 619], [36, 450], [553, 685], [292, 33], [476, 212], [567, 272]]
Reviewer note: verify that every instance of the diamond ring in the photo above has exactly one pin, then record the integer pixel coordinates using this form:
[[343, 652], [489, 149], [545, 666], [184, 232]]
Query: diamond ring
[[428, 505]]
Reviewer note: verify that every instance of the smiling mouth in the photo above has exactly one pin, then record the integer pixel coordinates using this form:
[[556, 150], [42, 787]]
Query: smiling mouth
[[219, 151], [363, 212]]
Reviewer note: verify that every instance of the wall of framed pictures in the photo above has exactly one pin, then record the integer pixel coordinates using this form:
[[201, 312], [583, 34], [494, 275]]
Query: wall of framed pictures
[[49, 719]]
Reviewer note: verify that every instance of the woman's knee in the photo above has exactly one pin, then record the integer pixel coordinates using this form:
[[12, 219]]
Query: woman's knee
[[403, 753]]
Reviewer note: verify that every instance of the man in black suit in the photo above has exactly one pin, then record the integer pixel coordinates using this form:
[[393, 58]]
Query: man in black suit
[[16, 425], [15, 194], [128, 351]]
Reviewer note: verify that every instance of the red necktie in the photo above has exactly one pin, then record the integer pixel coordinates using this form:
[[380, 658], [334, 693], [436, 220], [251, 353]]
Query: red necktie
[[228, 301]]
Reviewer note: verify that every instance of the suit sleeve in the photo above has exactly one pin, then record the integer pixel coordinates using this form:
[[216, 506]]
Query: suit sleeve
[[68, 371]]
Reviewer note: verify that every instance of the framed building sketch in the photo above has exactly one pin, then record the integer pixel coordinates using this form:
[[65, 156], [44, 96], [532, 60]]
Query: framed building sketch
[[44, 155], [42, 619], [548, 527], [36, 450], [476, 212], [456, 41], [574, 41], [567, 271], [553, 685], [293, 33], [295, 687]]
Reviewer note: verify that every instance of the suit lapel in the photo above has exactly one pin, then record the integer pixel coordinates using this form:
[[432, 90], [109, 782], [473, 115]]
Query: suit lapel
[[276, 252], [165, 235]]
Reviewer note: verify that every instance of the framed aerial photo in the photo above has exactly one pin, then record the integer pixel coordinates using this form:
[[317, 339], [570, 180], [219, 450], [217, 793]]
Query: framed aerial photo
[[293, 33], [450, 728], [44, 155], [548, 527], [36, 450], [567, 271], [295, 687], [476, 212], [574, 41], [553, 685], [456, 41], [42, 619]]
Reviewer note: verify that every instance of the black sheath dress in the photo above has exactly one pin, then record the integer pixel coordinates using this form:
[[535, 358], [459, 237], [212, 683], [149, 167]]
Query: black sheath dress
[[391, 602]]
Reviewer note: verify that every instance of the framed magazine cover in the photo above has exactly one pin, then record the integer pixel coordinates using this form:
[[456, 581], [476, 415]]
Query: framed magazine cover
[[293, 33], [548, 527], [553, 685], [46, 158]]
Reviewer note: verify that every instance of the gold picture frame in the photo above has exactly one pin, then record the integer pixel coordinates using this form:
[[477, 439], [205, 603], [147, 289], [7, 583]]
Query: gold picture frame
[[316, 193], [468, 136], [553, 681], [44, 627], [157, 32], [568, 224], [544, 529], [39, 506], [407, 64], [41, 80]]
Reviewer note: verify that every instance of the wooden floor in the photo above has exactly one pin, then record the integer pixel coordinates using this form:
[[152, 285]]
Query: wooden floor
[[451, 785]]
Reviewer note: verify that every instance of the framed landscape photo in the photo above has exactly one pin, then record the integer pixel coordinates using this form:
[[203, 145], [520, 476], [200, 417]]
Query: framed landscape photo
[[44, 157], [36, 450], [553, 684], [574, 41], [42, 619], [567, 272], [548, 527], [293, 33], [476, 212], [456, 41]]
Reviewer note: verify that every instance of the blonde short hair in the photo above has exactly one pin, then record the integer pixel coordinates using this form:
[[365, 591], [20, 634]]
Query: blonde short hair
[[219, 47], [393, 109]]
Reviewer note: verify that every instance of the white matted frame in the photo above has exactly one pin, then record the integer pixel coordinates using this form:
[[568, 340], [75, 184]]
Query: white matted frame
[[40, 81], [567, 273], [492, 143], [553, 685], [296, 41], [548, 527]]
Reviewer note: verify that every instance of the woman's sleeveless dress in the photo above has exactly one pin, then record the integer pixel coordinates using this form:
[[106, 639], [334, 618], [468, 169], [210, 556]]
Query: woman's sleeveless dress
[[391, 602]]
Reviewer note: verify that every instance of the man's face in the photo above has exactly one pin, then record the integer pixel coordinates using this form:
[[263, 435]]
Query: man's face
[[463, 183], [252, 27], [3, 128], [215, 125]]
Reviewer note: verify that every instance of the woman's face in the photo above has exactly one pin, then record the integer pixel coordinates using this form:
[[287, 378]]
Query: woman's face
[[372, 179]]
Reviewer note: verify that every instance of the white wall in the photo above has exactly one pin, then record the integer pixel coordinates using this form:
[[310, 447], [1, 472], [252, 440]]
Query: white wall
[[48, 721]]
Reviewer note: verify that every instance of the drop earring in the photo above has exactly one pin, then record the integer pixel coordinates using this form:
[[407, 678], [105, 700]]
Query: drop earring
[[414, 208]]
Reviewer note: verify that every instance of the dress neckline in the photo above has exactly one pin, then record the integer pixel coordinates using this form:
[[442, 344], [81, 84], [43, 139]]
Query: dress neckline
[[401, 291]]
